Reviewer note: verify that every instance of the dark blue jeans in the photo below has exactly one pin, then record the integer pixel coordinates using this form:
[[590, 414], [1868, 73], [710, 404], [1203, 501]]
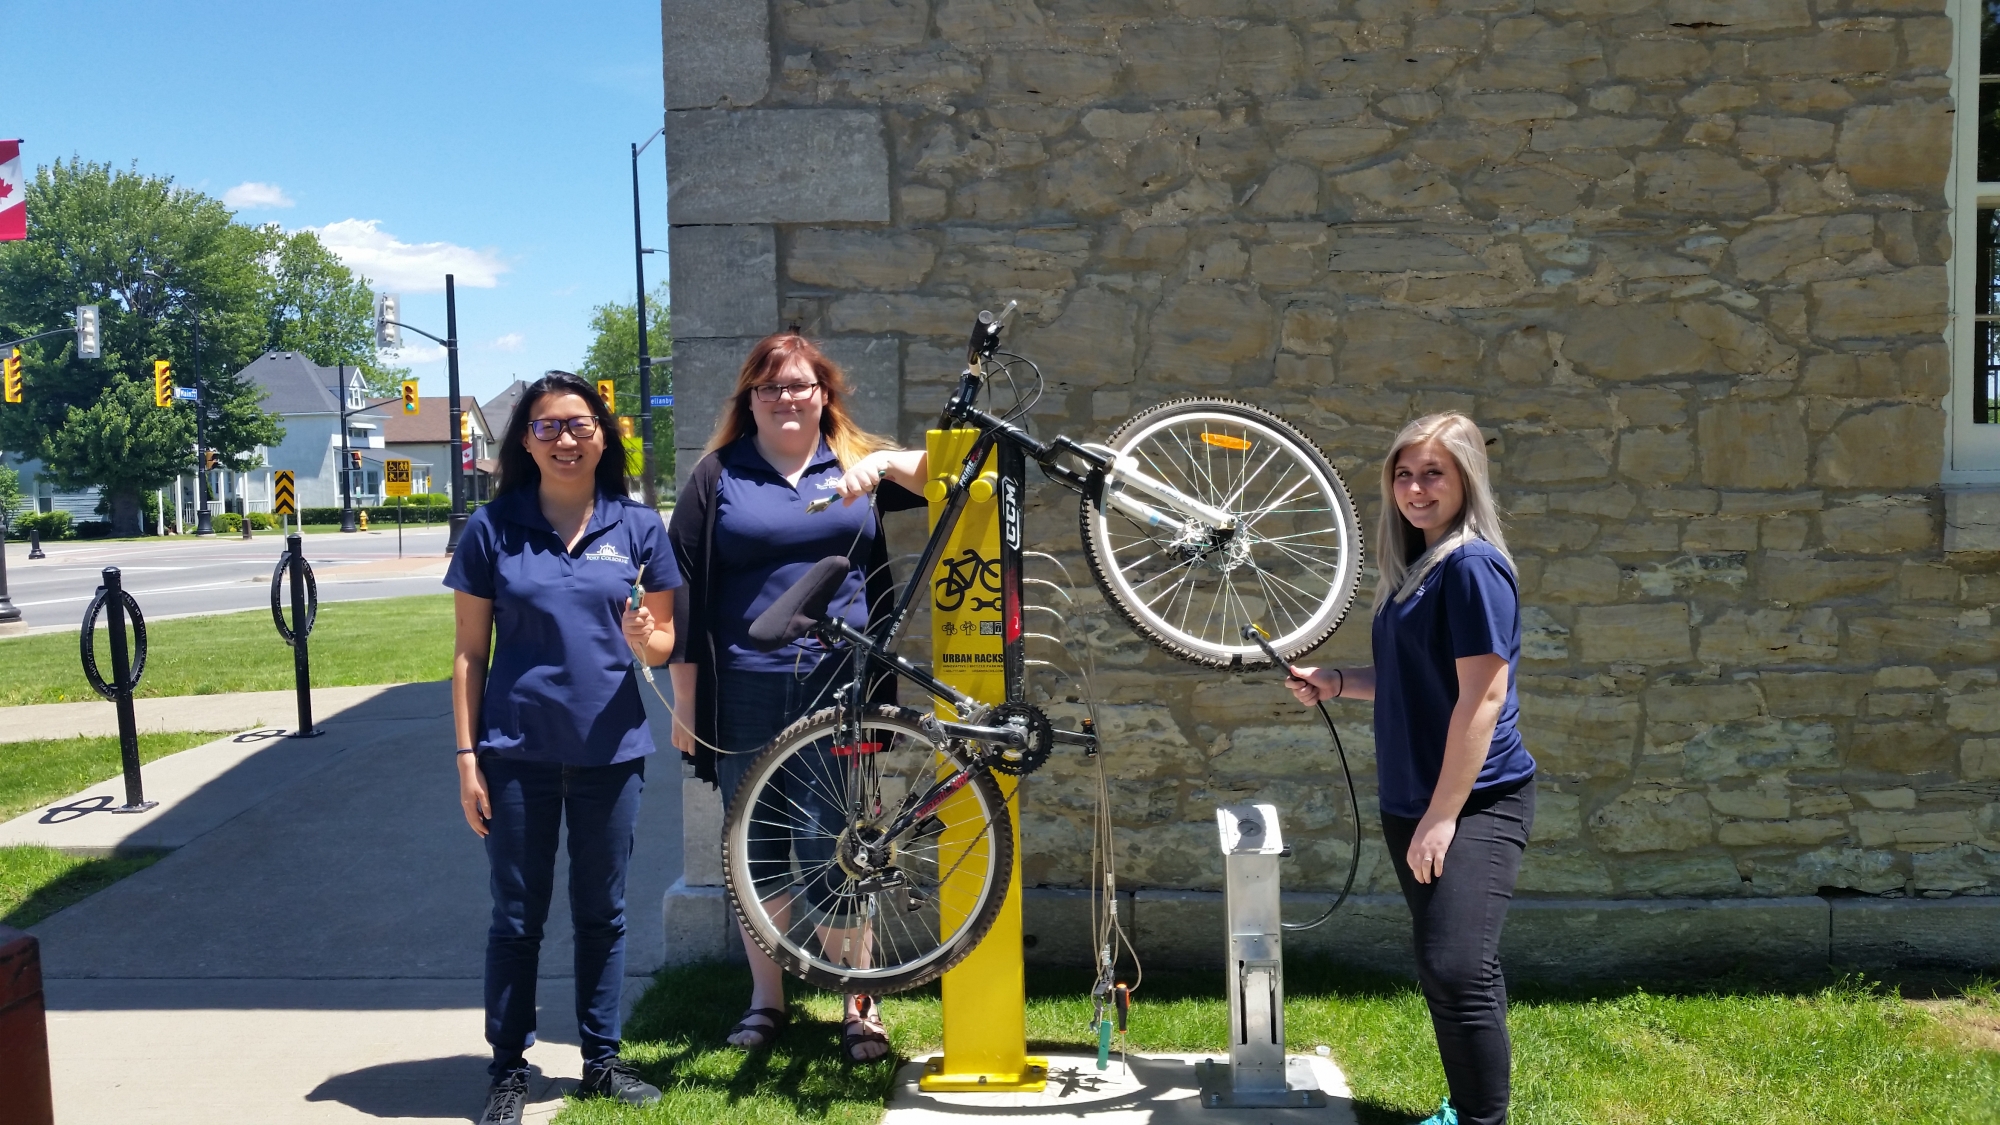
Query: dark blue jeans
[[530, 802], [753, 708]]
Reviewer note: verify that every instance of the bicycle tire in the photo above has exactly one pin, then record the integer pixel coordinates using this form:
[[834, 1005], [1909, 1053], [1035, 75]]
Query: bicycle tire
[[1298, 620], [797, 946]]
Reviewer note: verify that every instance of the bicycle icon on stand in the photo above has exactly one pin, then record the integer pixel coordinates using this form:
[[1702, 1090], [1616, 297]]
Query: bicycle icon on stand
[[961, 575]]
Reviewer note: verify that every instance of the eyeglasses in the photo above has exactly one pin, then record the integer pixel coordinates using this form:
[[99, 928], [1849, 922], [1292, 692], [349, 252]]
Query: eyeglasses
[[549, 429], [771, 392]]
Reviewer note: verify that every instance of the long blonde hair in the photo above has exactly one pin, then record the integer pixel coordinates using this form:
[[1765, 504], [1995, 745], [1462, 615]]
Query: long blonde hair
[[850, 443], [1405, 562]]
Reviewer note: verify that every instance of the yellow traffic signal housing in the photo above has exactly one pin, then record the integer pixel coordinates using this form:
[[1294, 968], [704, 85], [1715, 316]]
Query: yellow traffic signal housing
[[625, 429], [465, 426], [214, 460], [608, 391], [13, 366], [163, 383], [409, 396]]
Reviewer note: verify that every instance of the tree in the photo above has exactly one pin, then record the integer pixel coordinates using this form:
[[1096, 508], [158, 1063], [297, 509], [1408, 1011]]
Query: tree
[[10, 494], [175, 278], [614, 354], [319, 308]]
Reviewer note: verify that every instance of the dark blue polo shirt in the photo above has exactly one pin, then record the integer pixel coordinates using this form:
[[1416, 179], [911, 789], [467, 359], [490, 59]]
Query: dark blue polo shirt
[[561, 687], [765, 541], [1468, 606]]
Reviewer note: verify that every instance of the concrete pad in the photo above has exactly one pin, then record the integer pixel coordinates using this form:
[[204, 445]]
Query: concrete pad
[[1136, 1090], [202, 788], [180, 1052], [235, 711]]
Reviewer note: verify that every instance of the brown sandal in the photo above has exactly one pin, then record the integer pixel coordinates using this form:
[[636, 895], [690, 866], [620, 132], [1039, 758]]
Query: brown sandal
[[767, 1033], [855, 1031]]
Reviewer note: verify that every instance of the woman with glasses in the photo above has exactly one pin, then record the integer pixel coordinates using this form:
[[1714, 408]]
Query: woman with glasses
[[744, 535], [546, 576]]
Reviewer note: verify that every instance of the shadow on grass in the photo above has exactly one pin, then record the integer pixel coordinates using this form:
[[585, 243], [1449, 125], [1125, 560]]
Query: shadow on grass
[[53, 881]]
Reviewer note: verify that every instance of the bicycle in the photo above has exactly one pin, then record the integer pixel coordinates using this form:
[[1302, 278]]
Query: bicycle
[[1197, 516]]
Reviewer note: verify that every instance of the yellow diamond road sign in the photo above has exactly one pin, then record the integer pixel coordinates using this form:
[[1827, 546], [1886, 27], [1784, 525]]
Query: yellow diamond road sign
[[395, 477], [284, 501]]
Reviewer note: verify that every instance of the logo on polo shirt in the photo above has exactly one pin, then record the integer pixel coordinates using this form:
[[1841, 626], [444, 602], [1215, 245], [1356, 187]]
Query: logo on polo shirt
[[605, 552]]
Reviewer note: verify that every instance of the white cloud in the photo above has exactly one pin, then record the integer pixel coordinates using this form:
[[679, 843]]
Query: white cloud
[[511, 342], [252, 196], [409, 267]]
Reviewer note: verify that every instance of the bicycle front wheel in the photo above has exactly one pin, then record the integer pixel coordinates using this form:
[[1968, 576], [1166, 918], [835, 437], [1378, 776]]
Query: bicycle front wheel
[[826, 882], [1290, 565]]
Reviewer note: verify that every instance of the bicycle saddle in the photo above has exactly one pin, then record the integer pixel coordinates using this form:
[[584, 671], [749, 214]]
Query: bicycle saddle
[[800, 608]]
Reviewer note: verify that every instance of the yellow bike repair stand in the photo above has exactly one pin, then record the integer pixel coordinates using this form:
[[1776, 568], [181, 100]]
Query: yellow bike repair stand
[[985, 997]]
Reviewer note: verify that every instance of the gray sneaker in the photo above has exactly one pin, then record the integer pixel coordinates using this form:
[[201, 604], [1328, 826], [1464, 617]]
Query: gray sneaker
[[506, 1099], [615, 1078]]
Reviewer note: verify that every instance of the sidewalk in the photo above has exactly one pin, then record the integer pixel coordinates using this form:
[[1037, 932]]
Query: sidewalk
[[313, 949]]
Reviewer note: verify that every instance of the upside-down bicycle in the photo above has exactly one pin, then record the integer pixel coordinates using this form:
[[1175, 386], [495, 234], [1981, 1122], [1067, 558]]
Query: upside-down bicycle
[[869, 846]]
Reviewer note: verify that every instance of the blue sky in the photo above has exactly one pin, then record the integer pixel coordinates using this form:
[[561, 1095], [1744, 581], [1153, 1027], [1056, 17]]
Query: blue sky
[[490, 138]]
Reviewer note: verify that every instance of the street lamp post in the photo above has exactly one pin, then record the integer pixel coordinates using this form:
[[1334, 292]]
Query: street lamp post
[[204, 524], [347, 521], [639, 253], [387, 313]]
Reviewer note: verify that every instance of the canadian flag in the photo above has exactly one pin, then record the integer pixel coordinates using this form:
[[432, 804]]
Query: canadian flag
[[13, 193]]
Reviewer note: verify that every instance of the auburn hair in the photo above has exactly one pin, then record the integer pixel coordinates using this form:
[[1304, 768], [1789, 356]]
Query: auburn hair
[[850, 443]]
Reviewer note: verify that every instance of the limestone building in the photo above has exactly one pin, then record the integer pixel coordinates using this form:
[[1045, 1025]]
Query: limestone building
[[1714, 275]]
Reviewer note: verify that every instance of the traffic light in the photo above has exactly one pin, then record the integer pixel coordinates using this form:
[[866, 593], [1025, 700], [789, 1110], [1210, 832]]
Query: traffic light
[[608, 391], [388, 321], [625, 426], [354, 459], [13, 366], [409, 396], [88, 343], [212, 461], [465, 427], [163, 383]]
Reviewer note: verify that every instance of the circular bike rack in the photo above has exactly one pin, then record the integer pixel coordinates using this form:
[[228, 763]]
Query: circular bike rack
[[89, 637], [278, 597]]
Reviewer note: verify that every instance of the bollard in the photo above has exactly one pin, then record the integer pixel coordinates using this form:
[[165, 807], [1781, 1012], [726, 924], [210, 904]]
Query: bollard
[[25, 1096], [35, 544], [293, 570], [246, 525], [126, 672]]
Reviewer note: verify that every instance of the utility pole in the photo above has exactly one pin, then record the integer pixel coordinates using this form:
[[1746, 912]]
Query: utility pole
[[639, 252], [457, 417], [203, 523], [347, 522]]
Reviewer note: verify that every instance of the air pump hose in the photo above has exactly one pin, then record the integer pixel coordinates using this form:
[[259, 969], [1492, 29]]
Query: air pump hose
[[1252, 633]]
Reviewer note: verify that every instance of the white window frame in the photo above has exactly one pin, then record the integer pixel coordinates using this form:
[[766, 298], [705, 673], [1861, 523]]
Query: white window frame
[[1972, 451]]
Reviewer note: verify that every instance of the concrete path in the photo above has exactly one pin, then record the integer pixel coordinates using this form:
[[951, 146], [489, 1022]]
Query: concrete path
[[236, 711], [312, 951]]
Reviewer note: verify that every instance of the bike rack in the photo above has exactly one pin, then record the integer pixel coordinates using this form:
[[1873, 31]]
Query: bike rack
[[305, 610], [125, 675]]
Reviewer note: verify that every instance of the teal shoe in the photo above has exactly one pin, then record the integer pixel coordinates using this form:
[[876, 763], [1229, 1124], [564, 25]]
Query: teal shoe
[[1444, 1116]]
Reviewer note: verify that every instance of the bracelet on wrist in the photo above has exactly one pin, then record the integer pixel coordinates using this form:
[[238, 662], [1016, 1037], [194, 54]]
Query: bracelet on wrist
[[1340, 688], [468, 749]]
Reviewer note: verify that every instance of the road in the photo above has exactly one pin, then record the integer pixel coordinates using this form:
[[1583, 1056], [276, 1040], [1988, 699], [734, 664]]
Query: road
[[180, 576]]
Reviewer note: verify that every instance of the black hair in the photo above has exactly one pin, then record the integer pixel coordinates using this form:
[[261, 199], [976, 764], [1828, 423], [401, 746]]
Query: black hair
[[518, 470]]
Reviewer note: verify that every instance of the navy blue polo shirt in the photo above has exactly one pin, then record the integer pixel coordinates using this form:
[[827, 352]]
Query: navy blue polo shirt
[[561, 686], [765, 541], [1468, 606]]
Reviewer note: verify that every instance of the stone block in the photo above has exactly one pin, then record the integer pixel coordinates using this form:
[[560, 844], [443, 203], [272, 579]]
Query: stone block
[[874, 369], [1899, 446], [1979, 759], [1055, 925], [699, 925], [1770, 636], [725, 281], [1880, 527], [1187, 930], [1908, 302], [1972, 520], [1902, 146], [1569, 939], [1652, 820], [715, 52], [1647, 633], [1955, 933], [701, 833], [845, 258], [704, 374], [1204, 330], [1701, 182], [1392, 346], [777, 166], [1373, 253], [1752, 445], [1635, 342]]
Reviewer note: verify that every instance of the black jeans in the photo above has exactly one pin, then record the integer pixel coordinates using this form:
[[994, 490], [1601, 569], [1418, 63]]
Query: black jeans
[[796, 813], [1457, 918]]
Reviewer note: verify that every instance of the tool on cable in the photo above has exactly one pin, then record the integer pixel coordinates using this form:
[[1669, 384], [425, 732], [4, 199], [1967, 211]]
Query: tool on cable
[[639, 657], [1255, 635]]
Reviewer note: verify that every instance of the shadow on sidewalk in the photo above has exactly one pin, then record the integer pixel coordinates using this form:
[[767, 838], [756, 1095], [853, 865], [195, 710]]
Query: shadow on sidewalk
[[450, 1088]]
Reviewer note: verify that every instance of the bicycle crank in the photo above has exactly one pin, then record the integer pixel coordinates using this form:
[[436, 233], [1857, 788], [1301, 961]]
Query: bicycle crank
[[1038, 739]]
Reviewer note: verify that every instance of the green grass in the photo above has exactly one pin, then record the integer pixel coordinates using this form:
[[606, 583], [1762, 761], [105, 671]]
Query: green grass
[[391, 641], [36, 882], [1849, 1052], [34, 773]]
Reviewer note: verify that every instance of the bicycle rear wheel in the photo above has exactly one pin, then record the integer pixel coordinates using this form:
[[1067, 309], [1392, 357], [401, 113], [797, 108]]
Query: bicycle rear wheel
[[1290, 565], [824, 887]]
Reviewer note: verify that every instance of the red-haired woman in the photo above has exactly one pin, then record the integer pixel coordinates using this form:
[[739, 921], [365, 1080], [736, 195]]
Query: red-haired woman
[[743, 537]]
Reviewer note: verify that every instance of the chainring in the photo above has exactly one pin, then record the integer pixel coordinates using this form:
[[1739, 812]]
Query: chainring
[[1023, 760]]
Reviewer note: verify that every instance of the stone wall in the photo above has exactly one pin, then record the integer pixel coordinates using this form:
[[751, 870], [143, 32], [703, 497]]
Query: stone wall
[[1685, 261]]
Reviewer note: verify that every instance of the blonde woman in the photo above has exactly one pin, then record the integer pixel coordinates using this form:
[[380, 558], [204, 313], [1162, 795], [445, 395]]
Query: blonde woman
[[743, 537], [1457, 787]]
